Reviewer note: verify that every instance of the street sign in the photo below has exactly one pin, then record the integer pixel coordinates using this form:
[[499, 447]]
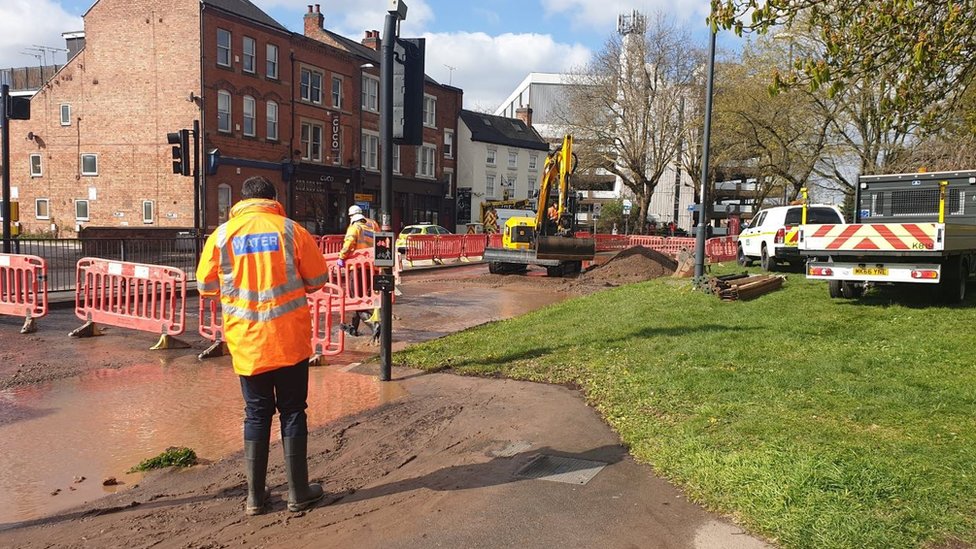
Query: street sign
[[383, 249], [627, 206]]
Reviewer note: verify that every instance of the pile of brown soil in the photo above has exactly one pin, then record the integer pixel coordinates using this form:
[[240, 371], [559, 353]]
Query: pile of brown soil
[[632, 265]]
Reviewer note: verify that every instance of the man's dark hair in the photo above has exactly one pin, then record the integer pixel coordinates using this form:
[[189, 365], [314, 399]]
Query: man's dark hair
[[258, 187]]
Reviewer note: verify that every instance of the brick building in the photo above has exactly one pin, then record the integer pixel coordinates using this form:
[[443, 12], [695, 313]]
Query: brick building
[[270, 102]]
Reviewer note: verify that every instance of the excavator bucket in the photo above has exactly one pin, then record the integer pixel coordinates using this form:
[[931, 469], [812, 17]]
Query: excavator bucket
[[565, 248]]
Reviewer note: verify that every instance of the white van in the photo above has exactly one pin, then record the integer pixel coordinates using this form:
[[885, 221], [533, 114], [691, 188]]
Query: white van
[[771, 236]]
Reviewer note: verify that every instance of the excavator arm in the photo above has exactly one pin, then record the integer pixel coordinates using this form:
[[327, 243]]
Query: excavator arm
[[557, 170]]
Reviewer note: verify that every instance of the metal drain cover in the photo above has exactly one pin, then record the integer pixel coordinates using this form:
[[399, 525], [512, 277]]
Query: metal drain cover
[[561, 469]]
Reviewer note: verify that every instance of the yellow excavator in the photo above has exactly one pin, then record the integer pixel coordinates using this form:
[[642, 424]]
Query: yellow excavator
[[549, 238]]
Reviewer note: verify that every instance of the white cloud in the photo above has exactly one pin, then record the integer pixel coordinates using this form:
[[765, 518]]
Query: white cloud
[[26, 24], [603, 13], [488, 68]]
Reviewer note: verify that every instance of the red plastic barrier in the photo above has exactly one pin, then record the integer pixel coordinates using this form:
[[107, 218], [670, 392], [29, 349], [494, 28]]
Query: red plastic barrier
[[652, 242], [211, 320], [355, 280], [607, 242], [149, 298], [421, 247], [474, 245], [448, 246], [495, 240], [23, 287], [328, 308], [723, 248], [673, 245], [330, 243]]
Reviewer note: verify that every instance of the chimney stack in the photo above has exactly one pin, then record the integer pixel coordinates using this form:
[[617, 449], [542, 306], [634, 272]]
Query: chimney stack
[[314, 22], [372, 40], [525, 115]]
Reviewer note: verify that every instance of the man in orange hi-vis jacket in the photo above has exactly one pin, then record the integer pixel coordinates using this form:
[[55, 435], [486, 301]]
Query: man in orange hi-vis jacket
[[360, 235], [262, 264]]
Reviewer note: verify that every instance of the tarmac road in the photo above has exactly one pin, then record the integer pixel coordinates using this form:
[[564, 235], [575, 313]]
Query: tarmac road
[[456, 462]]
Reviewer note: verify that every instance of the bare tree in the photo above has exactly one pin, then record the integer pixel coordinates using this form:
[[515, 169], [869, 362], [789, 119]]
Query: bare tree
[[624, 108]]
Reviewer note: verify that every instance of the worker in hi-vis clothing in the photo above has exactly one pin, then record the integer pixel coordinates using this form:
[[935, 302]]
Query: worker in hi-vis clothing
[[262, 265], [360, 235]]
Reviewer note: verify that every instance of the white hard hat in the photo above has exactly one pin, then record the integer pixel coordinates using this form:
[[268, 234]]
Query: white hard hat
[[356, 217], [355, 210]]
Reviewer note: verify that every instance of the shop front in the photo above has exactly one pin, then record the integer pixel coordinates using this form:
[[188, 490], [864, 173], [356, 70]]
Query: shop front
[[320, 196]]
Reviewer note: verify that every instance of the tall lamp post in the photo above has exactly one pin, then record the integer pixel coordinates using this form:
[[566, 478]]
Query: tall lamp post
[[703, 210]]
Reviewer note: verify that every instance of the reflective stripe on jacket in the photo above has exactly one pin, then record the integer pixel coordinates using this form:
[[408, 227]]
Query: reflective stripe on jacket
[[262, 264], [359, 235]]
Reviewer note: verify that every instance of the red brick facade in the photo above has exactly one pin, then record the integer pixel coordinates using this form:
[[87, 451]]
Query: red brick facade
[[142, 74]]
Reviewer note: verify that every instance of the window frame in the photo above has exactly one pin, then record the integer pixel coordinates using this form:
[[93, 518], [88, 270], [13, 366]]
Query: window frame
[[226, 49], [253, 56], [423, 152], [65, 117], [40, 165], [430, 115], [271, 61], [533, 161], [87, 216], [448, 143], [369, 148], [253, 117], [490, 185], [491, 156], [370, 96], [305, 89], [229, 111], [271, 122], [89, 173], [513, 159], [308, 141], [47, 208], [224, 188], [396, 159], [152, 212], [336, 93]]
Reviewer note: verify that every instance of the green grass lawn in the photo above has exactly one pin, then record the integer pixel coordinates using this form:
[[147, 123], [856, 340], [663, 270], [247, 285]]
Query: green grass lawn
[[816, 422]]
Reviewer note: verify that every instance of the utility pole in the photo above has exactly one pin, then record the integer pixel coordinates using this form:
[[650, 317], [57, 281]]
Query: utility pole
[[397, 13], [5, 160], [703, 211]]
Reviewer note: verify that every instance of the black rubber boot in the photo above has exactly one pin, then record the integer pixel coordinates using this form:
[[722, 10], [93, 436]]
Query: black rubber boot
[[256, 467], [301, 494]]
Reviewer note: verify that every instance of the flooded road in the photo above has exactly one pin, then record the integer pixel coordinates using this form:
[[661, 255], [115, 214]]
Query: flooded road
[[104, 422], [113, 404]]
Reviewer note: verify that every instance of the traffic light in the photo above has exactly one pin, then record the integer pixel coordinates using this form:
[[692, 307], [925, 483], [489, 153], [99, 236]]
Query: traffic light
[[408, 91], [181, 151]]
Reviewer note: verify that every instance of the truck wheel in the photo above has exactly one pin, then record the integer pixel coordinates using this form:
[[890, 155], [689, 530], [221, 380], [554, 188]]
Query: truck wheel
[[554, 272], [953, 284], [494, 267], [767, 262], [742, 259], [833, 286], [851, 290]]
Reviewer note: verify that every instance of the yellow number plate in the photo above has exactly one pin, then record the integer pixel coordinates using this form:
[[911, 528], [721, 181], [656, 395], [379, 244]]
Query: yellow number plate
[[871, 271]]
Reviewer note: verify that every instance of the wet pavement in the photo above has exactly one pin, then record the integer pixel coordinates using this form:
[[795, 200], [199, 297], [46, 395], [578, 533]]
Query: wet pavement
[[76, 412]]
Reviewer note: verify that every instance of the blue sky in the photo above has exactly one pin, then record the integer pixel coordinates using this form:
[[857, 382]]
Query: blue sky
[[491, 44]]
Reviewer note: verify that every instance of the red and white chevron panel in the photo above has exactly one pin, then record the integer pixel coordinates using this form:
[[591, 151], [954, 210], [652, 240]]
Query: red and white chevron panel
[[871, 236]]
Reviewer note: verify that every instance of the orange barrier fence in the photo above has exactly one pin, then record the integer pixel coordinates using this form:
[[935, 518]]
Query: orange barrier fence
[[149, 298], [474, 245], [23, 288], [328, 309], [355, 280], [330, 243], [421, 248], [652, 242], [722, 248], [495, 240], [607, 242], [211, 322]]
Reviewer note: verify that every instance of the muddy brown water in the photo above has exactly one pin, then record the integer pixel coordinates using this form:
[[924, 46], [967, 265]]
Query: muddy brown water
[[92, 409]]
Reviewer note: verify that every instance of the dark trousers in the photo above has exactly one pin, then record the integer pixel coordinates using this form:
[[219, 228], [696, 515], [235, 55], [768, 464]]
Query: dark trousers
[[285, 389]]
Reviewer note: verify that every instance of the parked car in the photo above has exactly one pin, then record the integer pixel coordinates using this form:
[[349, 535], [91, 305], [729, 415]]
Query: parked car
[[420, 229], [771, 236]]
